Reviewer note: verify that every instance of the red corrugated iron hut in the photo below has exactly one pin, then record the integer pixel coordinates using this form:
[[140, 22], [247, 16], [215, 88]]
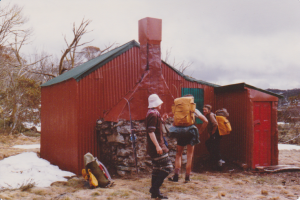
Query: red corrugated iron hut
[[253, 114], [100, 88]]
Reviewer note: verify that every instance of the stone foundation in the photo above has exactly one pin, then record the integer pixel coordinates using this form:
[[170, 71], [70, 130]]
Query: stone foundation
[[116, 151]]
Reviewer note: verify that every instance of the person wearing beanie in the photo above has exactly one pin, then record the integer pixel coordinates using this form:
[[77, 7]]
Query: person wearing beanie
[[156, 148], [213, 143]]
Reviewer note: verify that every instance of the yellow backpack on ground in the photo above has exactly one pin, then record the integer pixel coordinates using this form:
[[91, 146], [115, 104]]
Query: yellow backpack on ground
[[223, 125], [183, 110]]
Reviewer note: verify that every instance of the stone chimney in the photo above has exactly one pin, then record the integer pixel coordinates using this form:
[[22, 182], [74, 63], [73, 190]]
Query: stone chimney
[[152, 80], [150, 34]]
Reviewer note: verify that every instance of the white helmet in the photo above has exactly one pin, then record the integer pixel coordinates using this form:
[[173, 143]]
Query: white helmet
[[154, 101]]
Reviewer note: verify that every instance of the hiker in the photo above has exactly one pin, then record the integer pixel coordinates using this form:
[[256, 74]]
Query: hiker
[[156, 148], [213, 143], [188, 140]]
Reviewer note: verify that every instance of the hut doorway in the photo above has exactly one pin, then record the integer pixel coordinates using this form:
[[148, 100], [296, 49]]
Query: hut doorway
[[262, 134]]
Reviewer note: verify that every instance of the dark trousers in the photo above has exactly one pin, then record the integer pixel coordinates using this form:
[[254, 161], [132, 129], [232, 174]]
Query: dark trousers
[[213, 146], [162, 167]]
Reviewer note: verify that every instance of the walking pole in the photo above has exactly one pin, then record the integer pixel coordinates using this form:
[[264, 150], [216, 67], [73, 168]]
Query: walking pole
[[133, 137]]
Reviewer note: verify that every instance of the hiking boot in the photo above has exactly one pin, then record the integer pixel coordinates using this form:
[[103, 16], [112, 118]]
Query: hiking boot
[[159, 196], [187, 179], [174, 178]]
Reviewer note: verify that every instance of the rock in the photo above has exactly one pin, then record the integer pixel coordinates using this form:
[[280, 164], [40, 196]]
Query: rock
[[264, 192], [147, 162], [123, 152], [104, 125], [184, 159], [124, 168], [121, 173], [172, 153], [120, 123], [117, 138], [102, 139], [107, 132], [140, 128], [124, 161], [124, 129]]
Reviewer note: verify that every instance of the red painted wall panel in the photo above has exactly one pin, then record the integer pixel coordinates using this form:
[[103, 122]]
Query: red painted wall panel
[[240, 144], [235, 145], [100, 91], [175, 83], [59, 141], [262, 134]]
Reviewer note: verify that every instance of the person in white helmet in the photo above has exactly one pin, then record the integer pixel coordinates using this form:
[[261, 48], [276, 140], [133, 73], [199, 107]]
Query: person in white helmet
[[156, 148]]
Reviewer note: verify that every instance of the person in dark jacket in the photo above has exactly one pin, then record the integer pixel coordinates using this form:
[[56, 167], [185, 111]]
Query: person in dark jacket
[[213, 143], [156, 148]]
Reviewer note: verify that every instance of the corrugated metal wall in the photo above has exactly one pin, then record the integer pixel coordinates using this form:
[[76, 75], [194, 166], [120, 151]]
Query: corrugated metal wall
[[100, 91], [175, 83], [235, 146], [238, 145], [59, 137], [70, 109]]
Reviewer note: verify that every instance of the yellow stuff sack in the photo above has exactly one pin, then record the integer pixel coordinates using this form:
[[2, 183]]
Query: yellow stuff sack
[[223, 125], [183, 110]]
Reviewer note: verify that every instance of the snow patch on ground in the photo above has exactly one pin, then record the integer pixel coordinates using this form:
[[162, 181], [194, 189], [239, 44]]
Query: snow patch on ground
[[30, 125], [288, 147], [282, 123], [25, 168], [32, 146]]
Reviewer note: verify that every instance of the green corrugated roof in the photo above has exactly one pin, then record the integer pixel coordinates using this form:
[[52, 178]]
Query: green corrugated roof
[[86, 68]]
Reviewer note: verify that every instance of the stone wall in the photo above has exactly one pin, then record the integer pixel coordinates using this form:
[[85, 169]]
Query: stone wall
[[116, 151]]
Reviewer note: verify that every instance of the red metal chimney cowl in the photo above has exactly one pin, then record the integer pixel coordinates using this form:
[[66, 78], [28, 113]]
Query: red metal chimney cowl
[[150, 31]]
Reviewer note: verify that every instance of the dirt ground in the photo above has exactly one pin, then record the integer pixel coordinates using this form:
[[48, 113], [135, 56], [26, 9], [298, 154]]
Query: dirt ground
[[230, 184]]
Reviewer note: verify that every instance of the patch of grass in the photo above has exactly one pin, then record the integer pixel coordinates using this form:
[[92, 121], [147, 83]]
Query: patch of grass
[[76, 182], [264, 192], [27, 187], [32, 134], [5, 197], [40, 192], [121, 193], [216, 188], [94, 194], [200, 178], [274, 198], [239, 183], [261, 180]]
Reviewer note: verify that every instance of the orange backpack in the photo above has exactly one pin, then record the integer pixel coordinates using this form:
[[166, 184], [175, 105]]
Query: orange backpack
[[183, 110], [223, 125]]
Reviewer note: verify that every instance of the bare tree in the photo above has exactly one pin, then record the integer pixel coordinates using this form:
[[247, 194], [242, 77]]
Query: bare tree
[[181, 66], [91, 52], [13, 66], [69, 53], [72, 56], [11, 22]]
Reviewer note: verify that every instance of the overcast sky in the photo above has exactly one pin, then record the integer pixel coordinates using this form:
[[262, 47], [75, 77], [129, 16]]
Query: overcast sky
[[228, 41]]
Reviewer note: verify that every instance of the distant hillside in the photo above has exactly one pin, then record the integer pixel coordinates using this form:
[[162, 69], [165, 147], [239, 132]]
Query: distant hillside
[[286, 93]]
